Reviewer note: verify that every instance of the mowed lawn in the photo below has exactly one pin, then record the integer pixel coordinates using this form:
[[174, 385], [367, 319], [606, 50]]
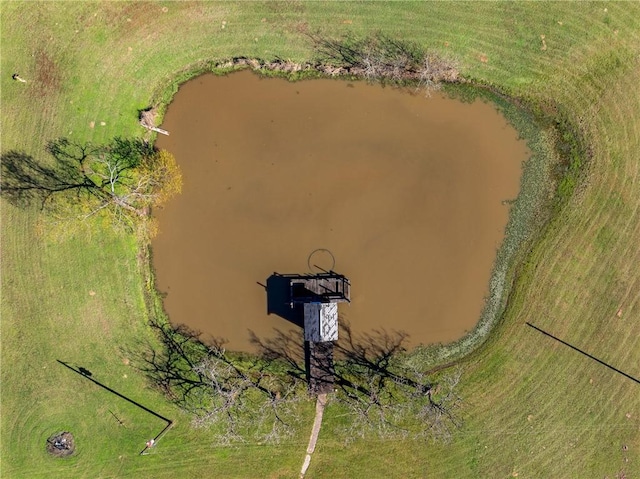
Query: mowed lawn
[[533, 408]]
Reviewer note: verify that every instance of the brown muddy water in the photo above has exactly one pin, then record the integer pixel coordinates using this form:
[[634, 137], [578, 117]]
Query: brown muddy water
[[406, 193]]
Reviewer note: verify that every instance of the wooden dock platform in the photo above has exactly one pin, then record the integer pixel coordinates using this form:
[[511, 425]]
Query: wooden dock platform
[[322, 288]]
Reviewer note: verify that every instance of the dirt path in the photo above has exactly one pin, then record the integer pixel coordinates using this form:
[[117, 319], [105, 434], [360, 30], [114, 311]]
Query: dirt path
[[317, 423]]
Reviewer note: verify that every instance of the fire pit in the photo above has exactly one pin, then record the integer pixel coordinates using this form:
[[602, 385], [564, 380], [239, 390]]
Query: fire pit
[[61, 444]]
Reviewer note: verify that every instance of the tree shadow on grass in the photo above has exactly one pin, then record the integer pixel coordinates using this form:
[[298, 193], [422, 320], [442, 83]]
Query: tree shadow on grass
[[172, 367], [25, 180], [241, 395], [371, 377]]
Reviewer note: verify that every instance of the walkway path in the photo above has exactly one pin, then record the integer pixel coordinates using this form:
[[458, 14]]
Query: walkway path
[[317, 423]]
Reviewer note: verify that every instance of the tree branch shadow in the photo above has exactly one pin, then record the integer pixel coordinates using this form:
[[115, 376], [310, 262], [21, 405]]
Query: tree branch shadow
[[239, 395], [370, 376], [81, 180], [25, 180], [375, 383]]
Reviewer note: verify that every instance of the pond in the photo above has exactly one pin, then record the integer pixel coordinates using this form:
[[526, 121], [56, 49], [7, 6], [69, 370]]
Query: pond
[[406, 195]]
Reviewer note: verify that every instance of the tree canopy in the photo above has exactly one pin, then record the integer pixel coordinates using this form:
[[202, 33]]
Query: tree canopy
[[121, 180]]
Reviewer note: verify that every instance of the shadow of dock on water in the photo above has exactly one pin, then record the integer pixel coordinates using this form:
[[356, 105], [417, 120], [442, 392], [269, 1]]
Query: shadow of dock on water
[[279, 300]]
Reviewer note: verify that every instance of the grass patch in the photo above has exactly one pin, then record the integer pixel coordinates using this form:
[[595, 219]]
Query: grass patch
[[531, 408]]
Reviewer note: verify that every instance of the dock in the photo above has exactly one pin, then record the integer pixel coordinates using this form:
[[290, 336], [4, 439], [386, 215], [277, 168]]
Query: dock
[[156, 129], [327, 287], [310, 301]]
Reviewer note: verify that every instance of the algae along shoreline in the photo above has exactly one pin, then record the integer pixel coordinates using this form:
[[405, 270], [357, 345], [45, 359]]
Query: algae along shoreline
[[528, 213]]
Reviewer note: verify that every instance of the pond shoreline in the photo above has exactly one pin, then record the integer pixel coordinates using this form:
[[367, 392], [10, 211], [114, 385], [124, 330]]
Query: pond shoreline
[[531, 213]]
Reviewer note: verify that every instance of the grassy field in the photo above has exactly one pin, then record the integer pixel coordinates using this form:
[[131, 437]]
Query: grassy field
[[534, 408]]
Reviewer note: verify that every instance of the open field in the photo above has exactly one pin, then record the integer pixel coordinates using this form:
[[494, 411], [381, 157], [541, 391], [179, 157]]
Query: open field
[[534, 408]]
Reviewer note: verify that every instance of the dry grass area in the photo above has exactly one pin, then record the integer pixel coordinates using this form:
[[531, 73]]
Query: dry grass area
[[533, 407]]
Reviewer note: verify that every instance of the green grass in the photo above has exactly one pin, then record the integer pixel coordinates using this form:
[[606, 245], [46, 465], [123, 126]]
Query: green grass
[[532, 407]]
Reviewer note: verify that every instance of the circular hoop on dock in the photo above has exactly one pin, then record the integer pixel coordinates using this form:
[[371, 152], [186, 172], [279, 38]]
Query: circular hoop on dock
[[321, 260]]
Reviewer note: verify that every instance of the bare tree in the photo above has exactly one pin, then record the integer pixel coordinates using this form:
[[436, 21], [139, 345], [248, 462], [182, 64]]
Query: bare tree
[[387, 397], [441, 413], [377, 384], [258, 397], [248, 401], [381, 57], [238, 399]]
